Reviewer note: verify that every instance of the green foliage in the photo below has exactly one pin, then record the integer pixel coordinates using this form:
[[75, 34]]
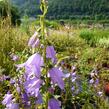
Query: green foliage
[[28, 7], [88, 35], [70, 9], [81, 9], [49, 24], [7, 10], [11, 40], [95, 37]]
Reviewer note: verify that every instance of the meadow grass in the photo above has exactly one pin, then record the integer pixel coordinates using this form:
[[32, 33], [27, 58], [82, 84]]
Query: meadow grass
[[96, 37], [11, 40], [67, 43]]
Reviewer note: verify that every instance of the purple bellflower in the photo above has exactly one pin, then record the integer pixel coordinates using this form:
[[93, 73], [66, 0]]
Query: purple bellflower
[[32, 86], [51, 53], [25, 100], [33, 64], [53, 104], [7, 99], [13, 106], [56, 77], [34, 41], [9, 102], [14, 57], [39, 99]]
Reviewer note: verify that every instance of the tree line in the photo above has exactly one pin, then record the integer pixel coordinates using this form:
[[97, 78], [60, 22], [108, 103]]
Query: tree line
[[65, 9]]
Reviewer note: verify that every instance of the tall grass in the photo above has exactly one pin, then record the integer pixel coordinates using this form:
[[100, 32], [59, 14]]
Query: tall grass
[[11, 39], [95, 37]]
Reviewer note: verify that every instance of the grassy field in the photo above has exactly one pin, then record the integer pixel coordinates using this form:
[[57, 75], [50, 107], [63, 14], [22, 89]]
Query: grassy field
[[87, 49]]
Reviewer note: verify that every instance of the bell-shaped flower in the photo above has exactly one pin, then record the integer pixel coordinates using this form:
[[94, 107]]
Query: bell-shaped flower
[[51, 53], [35, 59], [25, 100], [39, 99], [32, 71], [32, 86], [33, 64], [53, 104], [13, 106], [14, 57], [34, 41], [56, 77], [7, 99]]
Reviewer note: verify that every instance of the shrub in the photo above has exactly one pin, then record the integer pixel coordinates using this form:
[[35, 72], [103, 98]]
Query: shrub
[[88, 35]]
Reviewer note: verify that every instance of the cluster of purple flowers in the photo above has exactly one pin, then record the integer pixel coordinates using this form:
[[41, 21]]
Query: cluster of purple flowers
[[32, 78], [29, 85]]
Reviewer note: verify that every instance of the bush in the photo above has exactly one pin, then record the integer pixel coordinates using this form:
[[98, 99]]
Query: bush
[[95, 37], [88, 35]]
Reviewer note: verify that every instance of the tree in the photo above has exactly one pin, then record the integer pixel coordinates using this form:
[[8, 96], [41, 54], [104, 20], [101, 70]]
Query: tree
[[8, 10]]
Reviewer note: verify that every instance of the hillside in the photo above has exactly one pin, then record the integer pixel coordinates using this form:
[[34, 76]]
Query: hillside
[[84, 9], [27, 7]]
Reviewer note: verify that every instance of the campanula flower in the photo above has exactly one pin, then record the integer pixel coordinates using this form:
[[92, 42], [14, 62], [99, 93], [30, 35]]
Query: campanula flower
[[25, 100], [39, 99], [34, 41], [33, 64], [32, 86], [53, 104], [35, 59], [56, 77], [13, 106], [7, 99], [51, 53]]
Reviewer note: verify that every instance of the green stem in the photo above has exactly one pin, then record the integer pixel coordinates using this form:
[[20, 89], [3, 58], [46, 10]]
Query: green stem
[[42, 24]]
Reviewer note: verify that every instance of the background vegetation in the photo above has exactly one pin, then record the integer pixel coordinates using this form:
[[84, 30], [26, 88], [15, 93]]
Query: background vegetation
[[70, 9]]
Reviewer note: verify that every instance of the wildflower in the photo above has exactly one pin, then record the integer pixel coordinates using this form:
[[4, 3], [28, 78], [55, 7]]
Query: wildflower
[[39, 99], [51, 53], [6, 77], [73, 88], [100, 93], [35, 59], [56, 77], [7, 99], [13, 106], [25, 100], [18, 89], [96, 81], [32, 86], [53, 104], [34, 42], [12, 81], [14, 57], [73, 68], [91, 81], [33, 64], [9, 102], [67, 75], [73, 79]]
